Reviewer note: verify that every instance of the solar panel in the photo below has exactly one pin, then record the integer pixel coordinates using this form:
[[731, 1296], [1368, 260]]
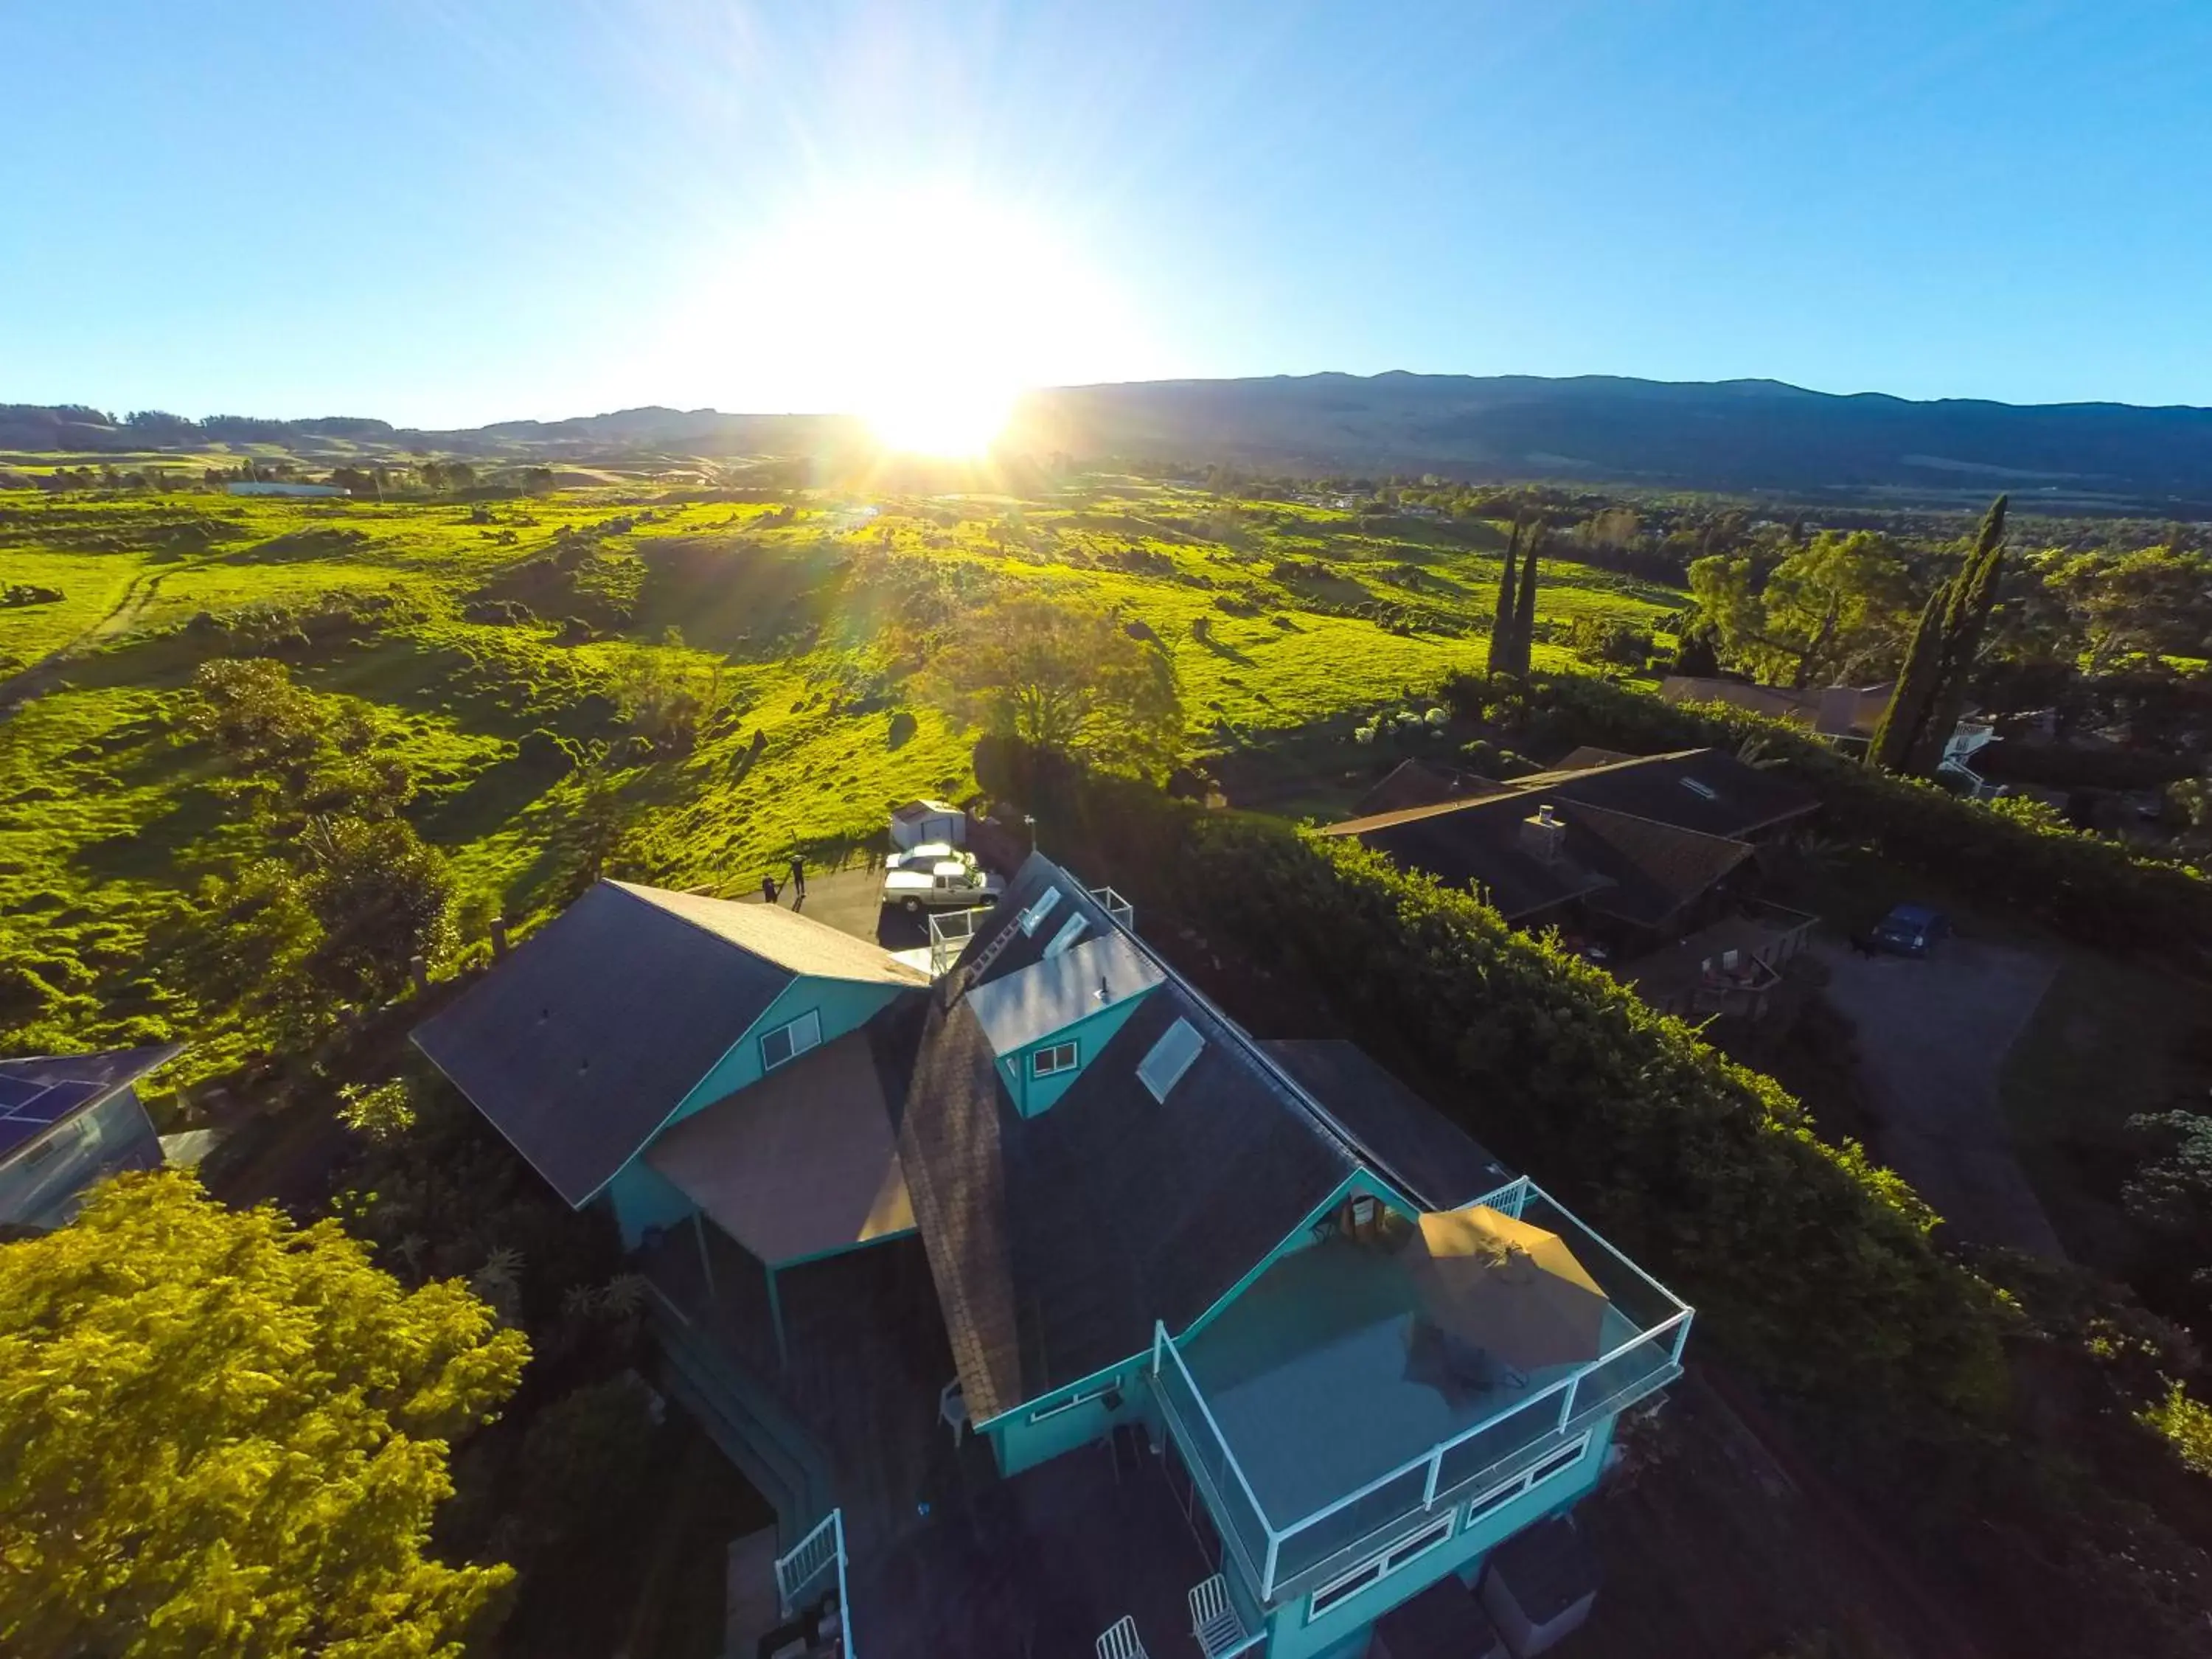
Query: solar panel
[[14, 1090], [14, 1131], [58, 1101]]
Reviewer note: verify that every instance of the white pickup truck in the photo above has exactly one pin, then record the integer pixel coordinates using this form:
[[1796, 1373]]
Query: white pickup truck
[[954, 883]]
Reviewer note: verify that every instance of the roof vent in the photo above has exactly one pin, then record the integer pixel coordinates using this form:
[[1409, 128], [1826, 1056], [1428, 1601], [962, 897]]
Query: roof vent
[[1179, 1045], [1544, 837]]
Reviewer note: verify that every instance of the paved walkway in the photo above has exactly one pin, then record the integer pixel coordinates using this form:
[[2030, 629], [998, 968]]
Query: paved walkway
[[1933, 1035]]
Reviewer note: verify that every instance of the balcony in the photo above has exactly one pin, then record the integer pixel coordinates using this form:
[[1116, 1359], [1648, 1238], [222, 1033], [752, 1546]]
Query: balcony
[[1322, 1414]]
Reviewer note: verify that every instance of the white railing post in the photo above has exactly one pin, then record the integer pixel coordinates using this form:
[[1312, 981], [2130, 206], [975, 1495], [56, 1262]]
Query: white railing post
[[1274, 1550], [844, 1597], [1436, 1468]]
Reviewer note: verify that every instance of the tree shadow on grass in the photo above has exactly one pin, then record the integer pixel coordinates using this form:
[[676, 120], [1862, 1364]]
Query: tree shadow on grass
[[487, 802], [153, 853]]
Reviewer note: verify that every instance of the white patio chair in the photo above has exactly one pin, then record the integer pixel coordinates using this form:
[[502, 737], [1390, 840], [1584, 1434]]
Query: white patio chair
[[1120, 1641], [1214, 1620], [952, 1408]]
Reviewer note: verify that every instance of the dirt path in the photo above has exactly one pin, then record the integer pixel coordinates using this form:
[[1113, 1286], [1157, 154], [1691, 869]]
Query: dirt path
[[43, 675], [1933, 1035]]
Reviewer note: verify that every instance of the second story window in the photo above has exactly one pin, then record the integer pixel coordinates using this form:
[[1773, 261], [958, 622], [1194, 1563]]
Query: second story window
[[788, 1041], [1060, 1057]]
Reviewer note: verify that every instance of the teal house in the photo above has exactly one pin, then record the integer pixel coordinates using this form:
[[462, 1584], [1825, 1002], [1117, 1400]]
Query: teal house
[[1053, 1312]]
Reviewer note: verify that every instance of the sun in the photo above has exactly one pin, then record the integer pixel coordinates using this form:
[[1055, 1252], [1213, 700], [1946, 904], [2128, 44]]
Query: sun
[[926, 312], [947, 416]]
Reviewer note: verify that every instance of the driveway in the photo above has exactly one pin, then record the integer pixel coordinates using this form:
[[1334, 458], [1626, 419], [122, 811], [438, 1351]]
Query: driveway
[[850, 901], [1933, 1035]]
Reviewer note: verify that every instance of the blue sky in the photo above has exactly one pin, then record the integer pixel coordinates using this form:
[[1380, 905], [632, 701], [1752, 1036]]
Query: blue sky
[[456, 212]]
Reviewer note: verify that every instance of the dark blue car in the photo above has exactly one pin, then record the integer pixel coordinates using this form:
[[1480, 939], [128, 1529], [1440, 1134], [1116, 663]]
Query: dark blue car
[[1910, 930]]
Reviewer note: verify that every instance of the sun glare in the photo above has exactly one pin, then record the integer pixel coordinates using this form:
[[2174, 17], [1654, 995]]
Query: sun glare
[[925, 312]]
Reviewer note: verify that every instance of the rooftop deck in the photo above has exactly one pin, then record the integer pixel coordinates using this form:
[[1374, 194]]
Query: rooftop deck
[[1319, 1429]]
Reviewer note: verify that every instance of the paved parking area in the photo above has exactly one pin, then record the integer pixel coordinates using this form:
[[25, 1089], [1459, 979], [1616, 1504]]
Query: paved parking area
[[1933, 1035], [850, 901]]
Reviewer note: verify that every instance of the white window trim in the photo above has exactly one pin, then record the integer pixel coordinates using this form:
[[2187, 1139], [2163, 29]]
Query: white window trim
[[1070, 930], [1044, 905], [1040, 1070], [801, 1040], [1539, 1473], [1069, 1404], [1373, 1570]]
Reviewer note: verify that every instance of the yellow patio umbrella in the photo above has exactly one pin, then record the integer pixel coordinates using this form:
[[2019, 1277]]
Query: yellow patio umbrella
[[1502, 1290]]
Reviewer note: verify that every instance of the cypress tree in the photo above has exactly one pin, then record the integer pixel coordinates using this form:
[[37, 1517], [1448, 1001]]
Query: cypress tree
[[1524, 625], [1501, 628], [1931, 689], [1973, 596], [1916, 683]]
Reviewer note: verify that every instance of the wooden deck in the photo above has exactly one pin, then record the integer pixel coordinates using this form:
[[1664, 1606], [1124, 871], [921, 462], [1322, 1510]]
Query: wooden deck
[[944, 1557]]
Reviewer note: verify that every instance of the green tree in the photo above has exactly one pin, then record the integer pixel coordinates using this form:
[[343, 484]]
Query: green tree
[[2154, 601], [382, 896], [1064, 678], [1525, 612], [1500, 660], [1940, 659], [220, 1433], [1831, 610]]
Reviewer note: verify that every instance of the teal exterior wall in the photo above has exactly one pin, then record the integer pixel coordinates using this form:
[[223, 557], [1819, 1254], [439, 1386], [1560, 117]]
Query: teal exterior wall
[[643, 1198], [1033, 1095], [41, 1183], [1343, 1629], [1020, 1441], [842, 1004], [640, 1198]]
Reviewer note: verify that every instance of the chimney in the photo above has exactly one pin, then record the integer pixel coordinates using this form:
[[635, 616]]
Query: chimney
[[1543, 838]]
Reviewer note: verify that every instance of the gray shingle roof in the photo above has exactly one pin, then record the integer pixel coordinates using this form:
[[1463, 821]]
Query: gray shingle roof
[[1056, 1241], [1426, 1155], [580, 1044], [1017, 1009]]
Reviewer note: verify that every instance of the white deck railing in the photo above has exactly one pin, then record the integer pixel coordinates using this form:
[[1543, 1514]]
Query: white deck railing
[[949, 933], [808, 1564], [1273, 1555], [1119, 909]]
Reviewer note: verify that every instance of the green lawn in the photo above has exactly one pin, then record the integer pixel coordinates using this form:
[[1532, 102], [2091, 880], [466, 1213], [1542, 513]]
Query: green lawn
[[1282, 618]]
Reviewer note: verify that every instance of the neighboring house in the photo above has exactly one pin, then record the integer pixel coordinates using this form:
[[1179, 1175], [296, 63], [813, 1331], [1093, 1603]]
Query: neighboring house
[[68, 1120], [1423, 783], [919, 823], [1043, 1298], [1628, 853], [635, 1008], [283, 488]]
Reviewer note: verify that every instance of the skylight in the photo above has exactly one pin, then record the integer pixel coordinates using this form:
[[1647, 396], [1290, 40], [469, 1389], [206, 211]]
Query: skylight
[[1171, 1057], [1705, 791], [1039, 910], [1070, 930]]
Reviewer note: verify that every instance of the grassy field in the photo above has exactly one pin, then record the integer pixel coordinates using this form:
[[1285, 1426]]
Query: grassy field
[[808, 618]]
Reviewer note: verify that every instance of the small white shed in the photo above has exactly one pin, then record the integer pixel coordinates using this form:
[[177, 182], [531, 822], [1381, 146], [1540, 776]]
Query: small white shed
[[920, 821]]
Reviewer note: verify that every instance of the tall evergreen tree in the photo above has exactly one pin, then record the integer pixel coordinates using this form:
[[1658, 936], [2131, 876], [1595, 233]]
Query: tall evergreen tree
[[1909, 698], [1973, 596], [1931, 689], [1501, 628], [1524, 621]]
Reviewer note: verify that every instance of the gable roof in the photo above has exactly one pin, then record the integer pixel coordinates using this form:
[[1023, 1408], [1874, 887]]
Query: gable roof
[[1645, 835], [580, 1045], [1017, 1008], [1056, 1241]]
